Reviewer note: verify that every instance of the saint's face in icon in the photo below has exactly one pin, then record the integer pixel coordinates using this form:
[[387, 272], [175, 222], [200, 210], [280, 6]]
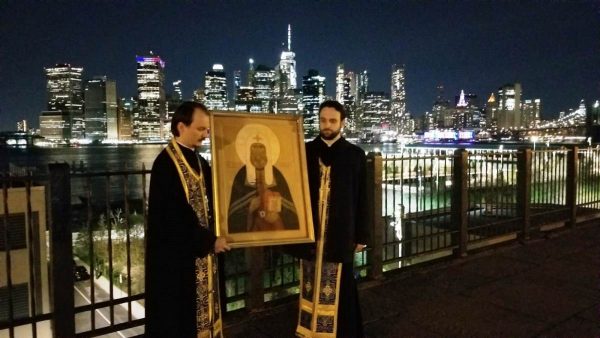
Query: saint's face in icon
[[258, 155]]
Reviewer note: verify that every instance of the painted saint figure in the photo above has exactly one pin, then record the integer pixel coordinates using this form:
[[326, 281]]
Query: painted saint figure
[[260, 196]]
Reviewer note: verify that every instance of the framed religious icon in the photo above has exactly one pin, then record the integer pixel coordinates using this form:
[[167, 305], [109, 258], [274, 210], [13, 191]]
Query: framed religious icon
[[260, 184]]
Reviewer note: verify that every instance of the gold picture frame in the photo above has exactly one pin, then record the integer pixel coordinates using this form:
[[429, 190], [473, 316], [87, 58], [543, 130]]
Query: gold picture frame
[[260, 184]]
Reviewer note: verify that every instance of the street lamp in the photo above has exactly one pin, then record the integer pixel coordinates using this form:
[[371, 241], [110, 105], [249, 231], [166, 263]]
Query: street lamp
[[501, 148], [534, 139]]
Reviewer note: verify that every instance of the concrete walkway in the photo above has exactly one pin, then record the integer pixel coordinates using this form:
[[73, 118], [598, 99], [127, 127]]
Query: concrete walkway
[[549, 287]]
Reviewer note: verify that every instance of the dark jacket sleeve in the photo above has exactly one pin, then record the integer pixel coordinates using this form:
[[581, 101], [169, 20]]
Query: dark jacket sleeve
[[172, 221], [362, 231]]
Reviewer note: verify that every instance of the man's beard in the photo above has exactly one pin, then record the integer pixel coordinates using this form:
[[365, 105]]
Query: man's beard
[[334, 134]]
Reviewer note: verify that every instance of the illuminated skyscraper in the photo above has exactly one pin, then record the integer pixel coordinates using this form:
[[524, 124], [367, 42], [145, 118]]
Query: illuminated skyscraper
[[362, 86], [151, 112], [345, 93], [291, 102], [101, 109], [250, 76], [63, 118], [22, 126], [215, 88], [491, 113], [531, 110], [237, 83], [441, 113], [313, 94], [174, 99], [246, 100], [287, 64], [509, 106], [467, 114], [263, 81], [376, 115], [400, 118], [177, 93], [125, 113], [339, 83]]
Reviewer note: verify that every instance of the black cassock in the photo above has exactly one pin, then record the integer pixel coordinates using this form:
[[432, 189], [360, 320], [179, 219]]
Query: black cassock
[[347, 220], [174, 240]]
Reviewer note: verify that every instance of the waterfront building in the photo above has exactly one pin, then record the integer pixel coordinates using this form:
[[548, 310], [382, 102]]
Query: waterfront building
[[442, 116], [125, 113], [22, 126], [237, 83], [531, 110], [247, 101], [215, 88], [151, 112], [376, 114], [55, 125], [400, 119], [174, 99], [491, 113], [313, 94], [291, 102], [100, 112], [286, 69], [263, 81], [509, 106], [63, 119]]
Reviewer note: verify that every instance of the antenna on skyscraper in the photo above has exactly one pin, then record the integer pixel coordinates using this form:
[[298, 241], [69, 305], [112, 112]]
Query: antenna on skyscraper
[[289, 37]]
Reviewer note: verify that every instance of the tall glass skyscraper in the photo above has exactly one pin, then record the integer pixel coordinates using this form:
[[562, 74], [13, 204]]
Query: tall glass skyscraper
[[215, 88], [63, 119], [101, 109], [287, 64], [509, 106], [339, 83], [313, 94], [174, 99], [376, 115], [151, 112], [263, 81], [237, 83], [400, 119]]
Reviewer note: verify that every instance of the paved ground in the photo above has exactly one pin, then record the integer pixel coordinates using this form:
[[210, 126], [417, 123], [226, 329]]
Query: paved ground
[[548, 287]]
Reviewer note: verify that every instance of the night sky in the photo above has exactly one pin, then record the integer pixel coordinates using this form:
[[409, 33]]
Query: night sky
[[551, 47]]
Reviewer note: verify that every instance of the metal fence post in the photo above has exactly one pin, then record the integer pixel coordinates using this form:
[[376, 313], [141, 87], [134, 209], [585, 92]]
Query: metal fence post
[[61, 250], [460, 199], [572, 172], [374, 191], [524, 190], [256, 266]]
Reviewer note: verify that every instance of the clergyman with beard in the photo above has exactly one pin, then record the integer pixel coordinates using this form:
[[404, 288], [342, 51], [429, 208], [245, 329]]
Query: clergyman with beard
[[329, 304]]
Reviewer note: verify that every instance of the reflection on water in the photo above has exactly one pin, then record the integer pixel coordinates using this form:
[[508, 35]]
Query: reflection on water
[[91, 158], [112, 158]]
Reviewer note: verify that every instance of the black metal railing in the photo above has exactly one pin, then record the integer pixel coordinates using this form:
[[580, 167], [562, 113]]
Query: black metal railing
[[423, 204], [588, 183], [417, 197], [548, 187]]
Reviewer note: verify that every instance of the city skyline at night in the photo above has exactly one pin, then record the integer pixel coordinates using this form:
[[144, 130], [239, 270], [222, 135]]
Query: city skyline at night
[[551, 49]]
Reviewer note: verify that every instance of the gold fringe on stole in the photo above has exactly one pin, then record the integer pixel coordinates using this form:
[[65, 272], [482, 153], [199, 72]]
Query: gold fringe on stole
[[319, 280], [208, 309]]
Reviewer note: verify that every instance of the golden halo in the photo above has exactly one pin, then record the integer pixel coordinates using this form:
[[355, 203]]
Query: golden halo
[[257, 133]]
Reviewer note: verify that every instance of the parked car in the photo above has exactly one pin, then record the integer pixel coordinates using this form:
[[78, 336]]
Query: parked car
[[80, 273]]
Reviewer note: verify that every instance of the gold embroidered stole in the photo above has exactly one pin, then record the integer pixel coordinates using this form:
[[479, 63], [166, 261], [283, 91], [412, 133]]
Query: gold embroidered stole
[[319, 280], [208, 309]]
